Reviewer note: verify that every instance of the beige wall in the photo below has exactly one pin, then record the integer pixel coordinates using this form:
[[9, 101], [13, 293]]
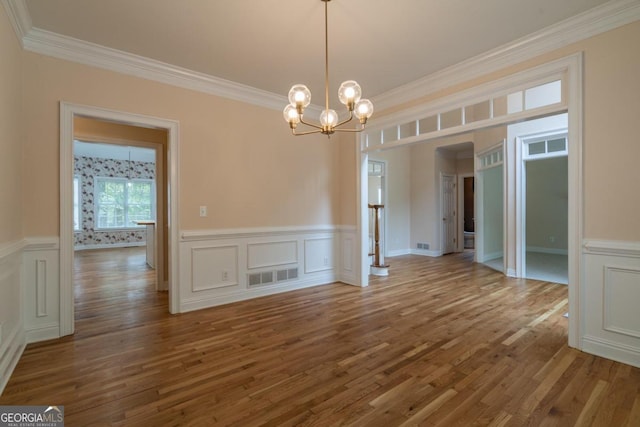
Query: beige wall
[[10, 133], [237, 159], [611, 149]]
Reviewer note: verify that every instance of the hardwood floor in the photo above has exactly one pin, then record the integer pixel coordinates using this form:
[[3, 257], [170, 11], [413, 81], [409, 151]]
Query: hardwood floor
[[438, 342]]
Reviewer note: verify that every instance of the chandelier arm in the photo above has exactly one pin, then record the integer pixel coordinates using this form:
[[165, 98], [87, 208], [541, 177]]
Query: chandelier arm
[[293, 131], [349, 130], [345, 120], [309, 124]]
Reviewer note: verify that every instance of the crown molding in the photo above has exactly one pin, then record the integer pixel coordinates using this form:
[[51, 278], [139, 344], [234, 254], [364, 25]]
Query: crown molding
[[610, 15], [19, 16], [71, 49]]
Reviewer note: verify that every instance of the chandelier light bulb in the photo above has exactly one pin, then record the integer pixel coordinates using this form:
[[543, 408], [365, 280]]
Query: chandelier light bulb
[[364, 110], [328, 119], [300, 96], [291, 115], [349, 93]]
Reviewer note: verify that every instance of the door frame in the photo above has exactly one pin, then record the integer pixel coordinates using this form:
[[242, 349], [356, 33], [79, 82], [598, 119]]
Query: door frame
[[461, 208], [569, 69], [443, 243], [68, 111], [385, 202]]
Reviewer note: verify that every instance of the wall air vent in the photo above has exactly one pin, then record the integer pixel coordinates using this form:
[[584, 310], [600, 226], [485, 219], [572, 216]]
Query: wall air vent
[[270, 277], [424, 246]]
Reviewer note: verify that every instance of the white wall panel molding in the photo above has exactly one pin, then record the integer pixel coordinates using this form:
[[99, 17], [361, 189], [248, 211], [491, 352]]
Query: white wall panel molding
[[12, 337], [319, 254], [615, 248], [237, 233], [424, 252], [611, 292], [621, 296], [41, 305], [271, 254], [214, 267], [604, 18], [222, 266]]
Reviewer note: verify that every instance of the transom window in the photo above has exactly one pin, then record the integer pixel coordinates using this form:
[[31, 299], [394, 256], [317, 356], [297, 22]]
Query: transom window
[[550, 146], [120, 202]]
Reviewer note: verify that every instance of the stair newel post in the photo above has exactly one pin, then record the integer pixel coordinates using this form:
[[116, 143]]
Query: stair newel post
[[377, 269]]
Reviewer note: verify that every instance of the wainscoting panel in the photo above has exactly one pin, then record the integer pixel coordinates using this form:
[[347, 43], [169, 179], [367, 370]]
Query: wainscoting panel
[[318, 254], [348, 266], [611, 295], [41, 289], [12, 340], [271, 254], [255, 262], [214, 267]]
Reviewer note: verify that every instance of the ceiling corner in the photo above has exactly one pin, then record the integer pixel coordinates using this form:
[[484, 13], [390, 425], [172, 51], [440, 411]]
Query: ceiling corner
[[18, 14]]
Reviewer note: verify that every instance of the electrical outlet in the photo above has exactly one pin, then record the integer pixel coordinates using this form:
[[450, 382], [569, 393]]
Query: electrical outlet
[[225, 275], [326, 261], [203, 211], [552, 239]]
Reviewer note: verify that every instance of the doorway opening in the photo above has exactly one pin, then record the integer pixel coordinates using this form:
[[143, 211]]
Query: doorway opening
[[72, 117]]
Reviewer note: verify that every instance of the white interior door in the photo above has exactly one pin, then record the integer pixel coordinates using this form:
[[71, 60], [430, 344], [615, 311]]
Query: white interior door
[[449, 201]]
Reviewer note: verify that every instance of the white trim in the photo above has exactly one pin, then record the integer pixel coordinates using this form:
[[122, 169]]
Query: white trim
[[423, 252], [41, 243], [18, 14], [552, 251], [598, 20], [191, 304], [613, 248], [79, 51], [67, 113], [10, 248], [236, 233], [611, 350], [399, 252], [10, 353]]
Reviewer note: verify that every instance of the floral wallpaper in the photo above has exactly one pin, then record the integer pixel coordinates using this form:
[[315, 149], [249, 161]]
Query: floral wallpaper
[[86, 168]]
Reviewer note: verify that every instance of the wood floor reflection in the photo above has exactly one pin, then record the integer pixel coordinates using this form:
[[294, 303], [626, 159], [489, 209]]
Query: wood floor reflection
[[441, 341]]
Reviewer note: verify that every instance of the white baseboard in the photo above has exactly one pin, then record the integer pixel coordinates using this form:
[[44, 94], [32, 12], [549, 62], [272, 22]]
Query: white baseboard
[[492, 256], [423, 252], [612, 350], [10, 354], [552, 251], [42, 333], [192, 304], [109, 246], [398, 252]]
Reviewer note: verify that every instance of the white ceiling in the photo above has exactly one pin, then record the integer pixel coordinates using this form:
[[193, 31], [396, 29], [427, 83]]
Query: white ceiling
[[271, 45], [113, 151]]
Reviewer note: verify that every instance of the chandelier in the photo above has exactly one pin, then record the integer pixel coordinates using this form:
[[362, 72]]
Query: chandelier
[[349, 94]]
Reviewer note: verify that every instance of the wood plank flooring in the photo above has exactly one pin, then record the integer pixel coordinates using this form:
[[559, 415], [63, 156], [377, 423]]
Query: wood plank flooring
[[439, 342]]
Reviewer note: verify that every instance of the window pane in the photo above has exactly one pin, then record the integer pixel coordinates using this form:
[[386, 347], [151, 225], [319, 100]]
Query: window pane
[[537, 148], [430, 124], [451, 119], [110, 203], [556, 145], [546, 94], [139, 202]]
